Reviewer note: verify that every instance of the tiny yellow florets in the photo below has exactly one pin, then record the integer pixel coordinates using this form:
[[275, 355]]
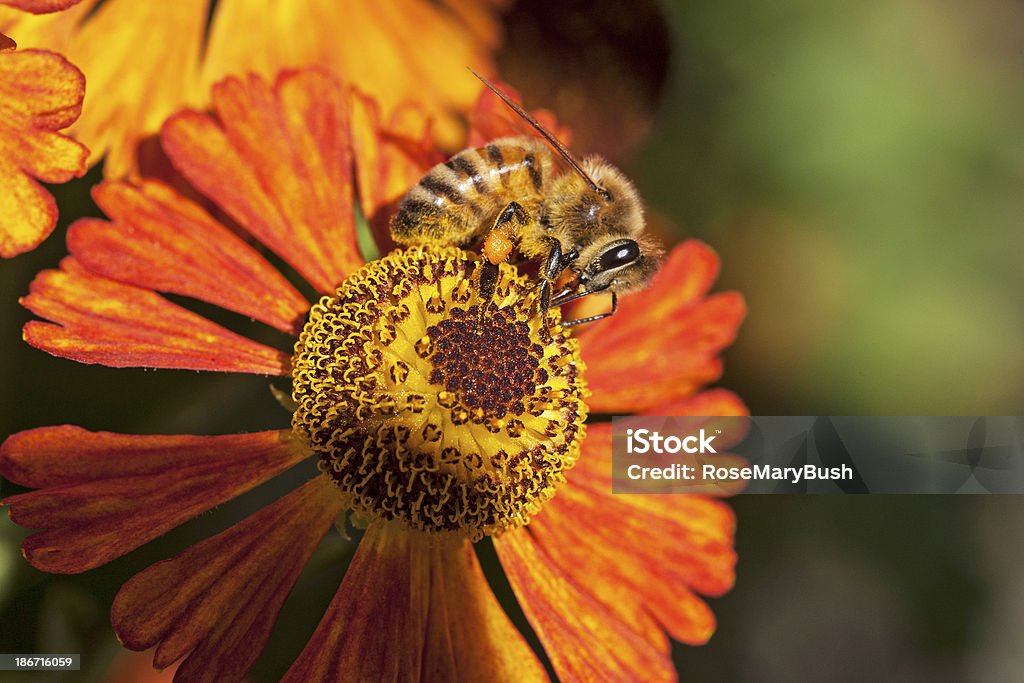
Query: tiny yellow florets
[[425, 409]]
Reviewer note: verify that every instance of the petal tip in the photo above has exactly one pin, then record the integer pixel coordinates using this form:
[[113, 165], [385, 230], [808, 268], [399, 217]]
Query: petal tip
[[46, 558]]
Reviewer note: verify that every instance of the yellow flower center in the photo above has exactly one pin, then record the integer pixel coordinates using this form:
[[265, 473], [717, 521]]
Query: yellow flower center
[[424, 410]]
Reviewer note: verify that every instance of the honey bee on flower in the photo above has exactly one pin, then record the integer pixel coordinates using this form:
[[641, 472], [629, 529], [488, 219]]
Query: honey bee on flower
[[588, 221]]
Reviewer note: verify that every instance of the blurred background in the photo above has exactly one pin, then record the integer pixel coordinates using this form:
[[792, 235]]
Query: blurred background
[[859, 167]]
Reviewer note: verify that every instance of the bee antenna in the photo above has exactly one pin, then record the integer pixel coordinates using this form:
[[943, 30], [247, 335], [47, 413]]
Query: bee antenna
[[547, 134]]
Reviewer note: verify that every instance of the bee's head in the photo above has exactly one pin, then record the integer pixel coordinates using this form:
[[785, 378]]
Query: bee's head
[[620, 263], [606, 228]]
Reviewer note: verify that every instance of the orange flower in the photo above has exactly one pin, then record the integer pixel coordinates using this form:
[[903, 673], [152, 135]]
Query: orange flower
[[148, 59], [396, 393], [40, 93]]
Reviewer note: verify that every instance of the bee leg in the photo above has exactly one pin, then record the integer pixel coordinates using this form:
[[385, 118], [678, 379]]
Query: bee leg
[[501, 239], [615, 305], [512, 210], [488, 281], [545, 296], [497, 246], [552, 267]]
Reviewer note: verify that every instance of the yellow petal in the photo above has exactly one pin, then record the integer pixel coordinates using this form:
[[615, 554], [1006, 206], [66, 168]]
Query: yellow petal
[[145, 56], [40, 93], [394, 51], [142, 57]]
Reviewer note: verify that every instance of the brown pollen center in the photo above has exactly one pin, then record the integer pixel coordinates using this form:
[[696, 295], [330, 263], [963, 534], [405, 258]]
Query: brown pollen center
[[490, 363]]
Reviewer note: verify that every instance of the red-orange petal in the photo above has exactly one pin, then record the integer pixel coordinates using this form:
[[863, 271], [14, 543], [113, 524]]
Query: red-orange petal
[[413, 607], [632, 558], [636, 561], [278, 161], [491, 119], [40, 6], [710, 403], [584, 639], [595, 471], [158, 239], [664, 342], [103, 494], [392, 155], [99, 320], [217, 601], [40, 93], [469, 638], [700, 528]]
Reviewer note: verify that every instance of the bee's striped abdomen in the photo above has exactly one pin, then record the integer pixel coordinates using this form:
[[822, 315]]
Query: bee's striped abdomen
[[467, 168], [458, 200]]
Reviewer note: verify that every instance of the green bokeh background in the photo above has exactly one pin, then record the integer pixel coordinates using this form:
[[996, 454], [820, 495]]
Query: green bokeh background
[[859, 167]]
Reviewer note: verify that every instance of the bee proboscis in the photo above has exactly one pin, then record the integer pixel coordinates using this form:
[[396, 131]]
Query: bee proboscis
[[588, 220]]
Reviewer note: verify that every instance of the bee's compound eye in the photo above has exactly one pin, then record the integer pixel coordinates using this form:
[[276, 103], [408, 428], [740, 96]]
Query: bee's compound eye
[[620, 254]]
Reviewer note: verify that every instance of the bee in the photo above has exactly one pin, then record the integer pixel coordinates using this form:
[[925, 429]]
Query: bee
[[507, 194]]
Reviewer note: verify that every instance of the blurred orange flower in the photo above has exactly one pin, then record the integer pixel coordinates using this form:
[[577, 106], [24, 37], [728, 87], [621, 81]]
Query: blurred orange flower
[[604, 580], [149, 59], [40, 94]]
